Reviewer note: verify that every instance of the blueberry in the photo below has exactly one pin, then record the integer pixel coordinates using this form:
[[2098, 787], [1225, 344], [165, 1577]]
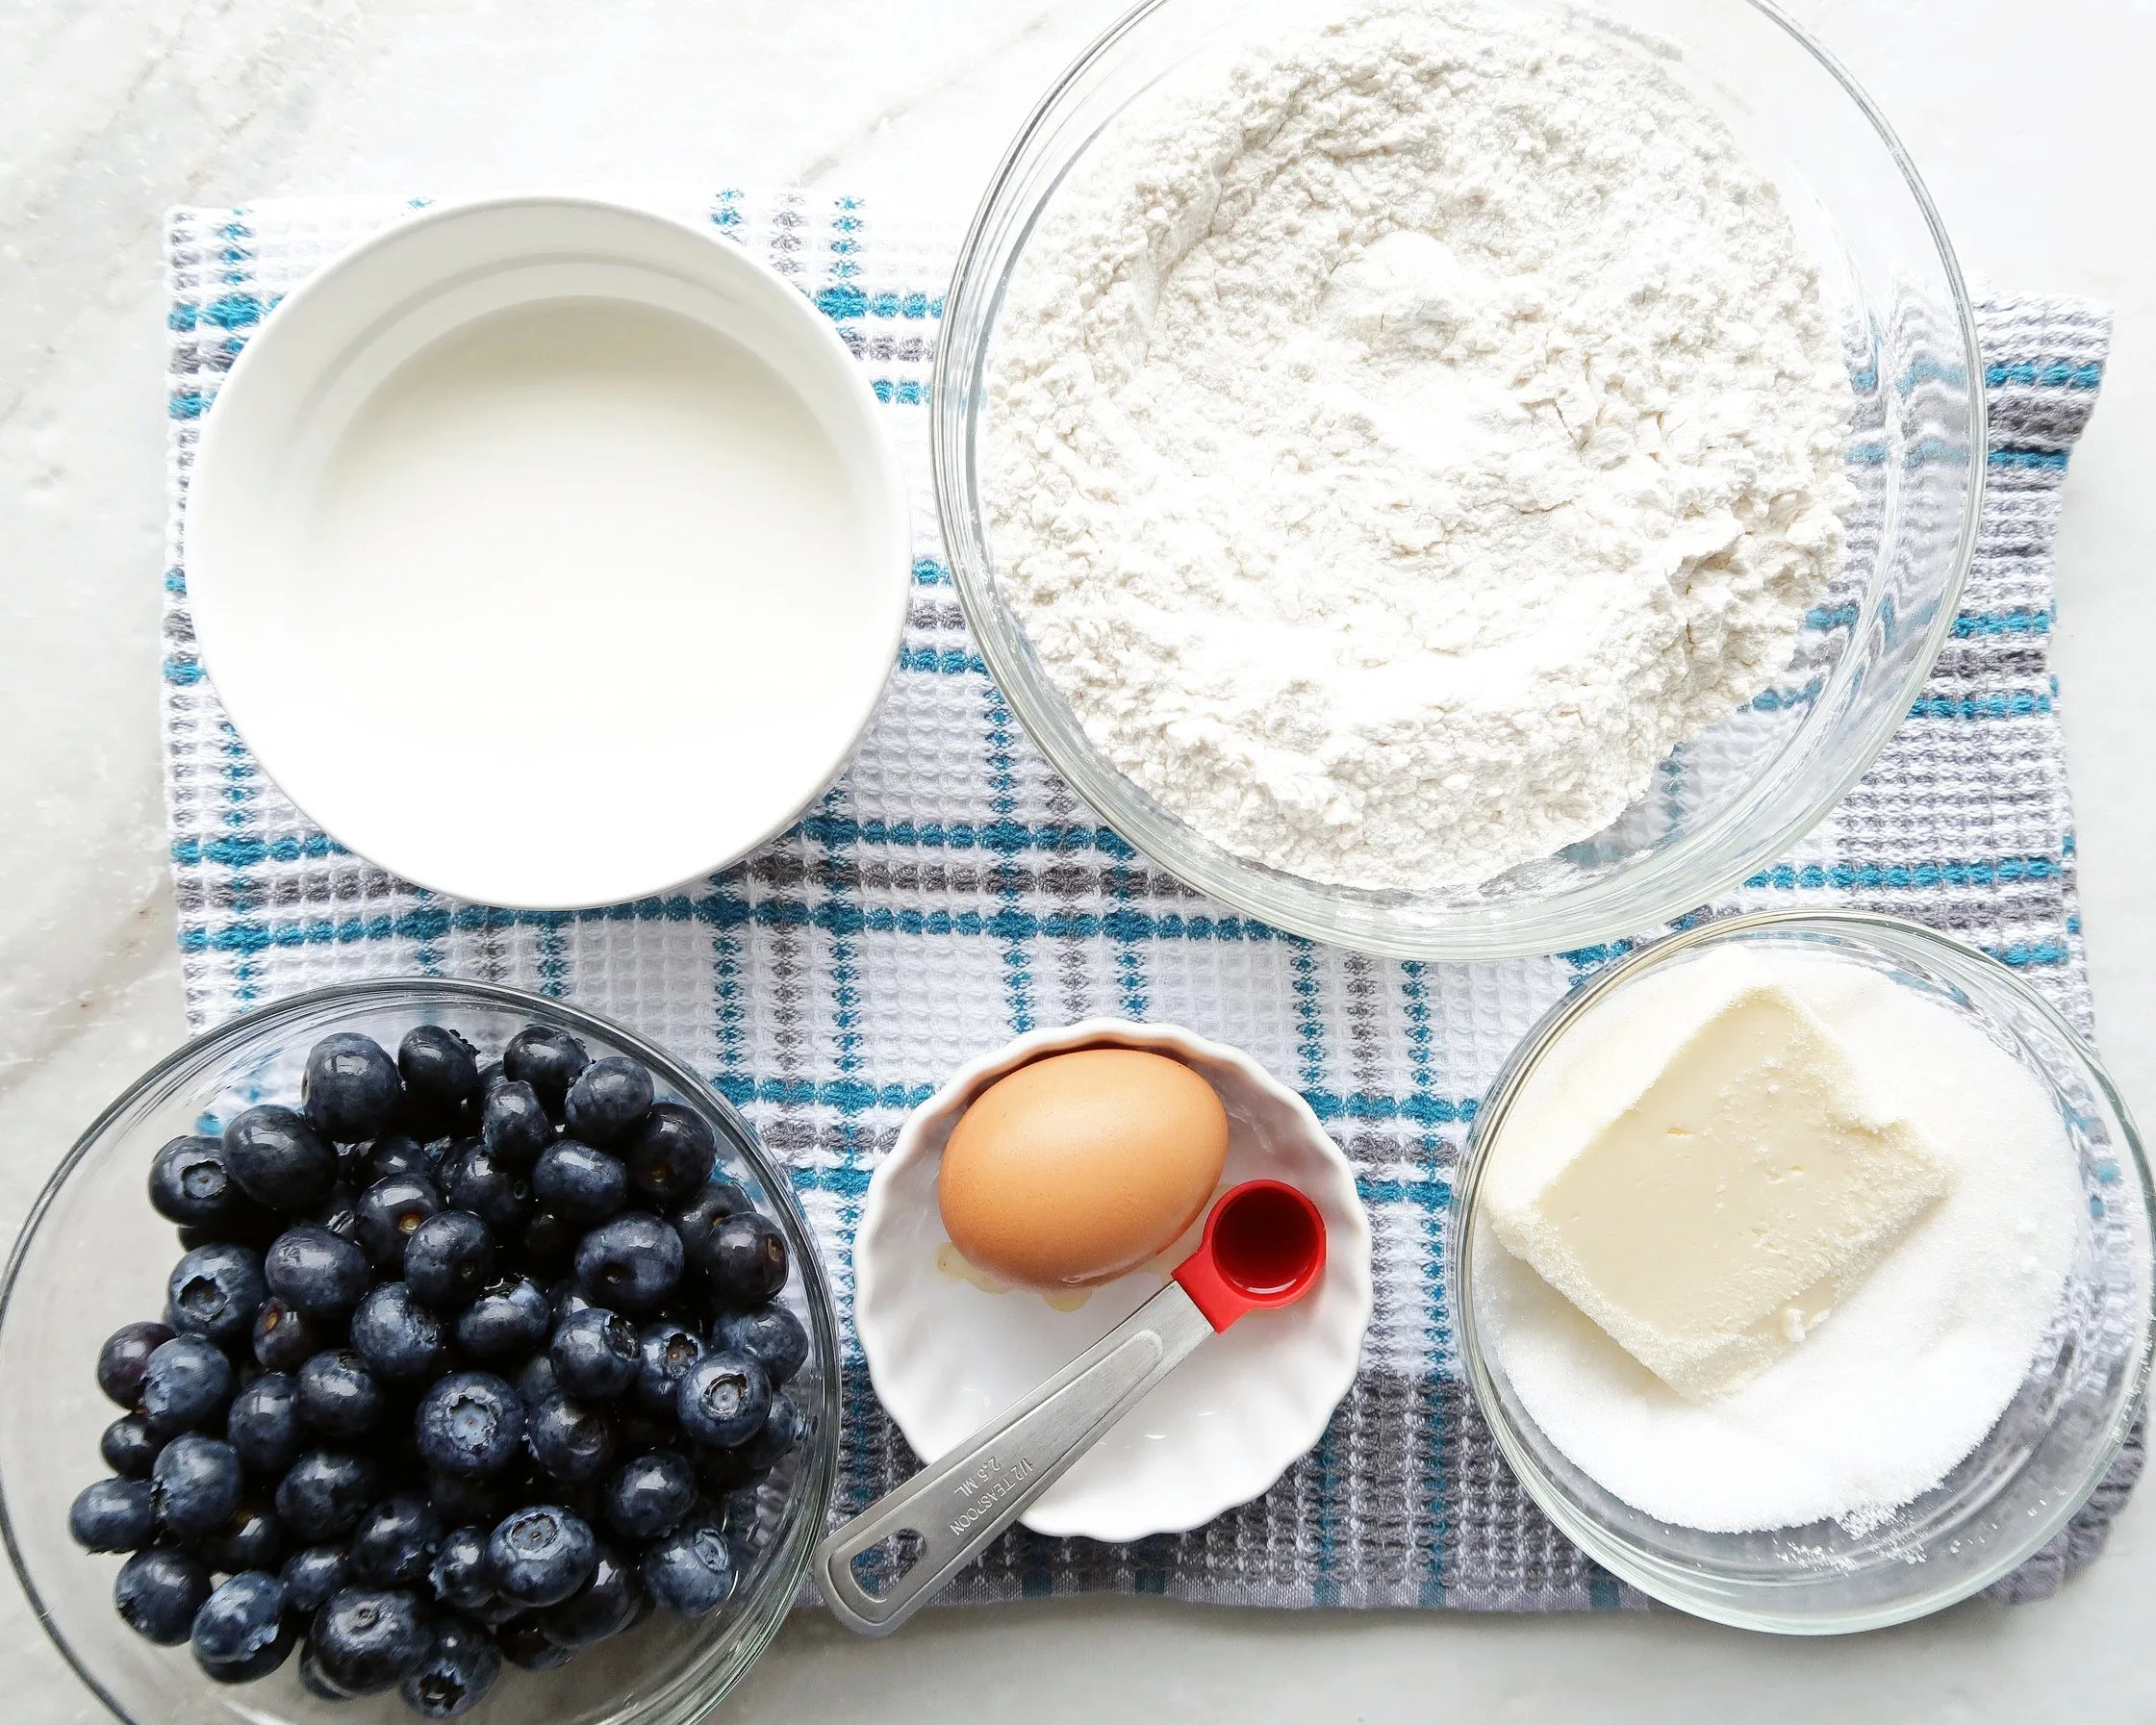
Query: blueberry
[[569, 1440], [124, 1361], [353, 1159], [514, 1125], [393, 1156], [549, 1062], [668, 1351], [395, 1543], [113, 1515], [283, 1340], [610, 1096], [314, 1272], [350, 1089], [129, 1445], [196, 1481], [506, 1322], [537, 1380], [578, 1182], [778, 1436], [723, 1399], [459, 1574], [263, 1425], [566, 1298], [595, 1353], [690, 1571], [497, 1611], [215, 1291], [335, 1395], [526, 1643], [186, 1382], [456, 1674], [646, 1497], [241, 1632], [604, 1606], [448, 1259], [474, 1500], [630, 1263], [470, 1424], [549, 1247], [190, 1184], [771, 1334], [277, 1160], [262, 1665], [394, 1334], [387, 1214], [745, 1260], [480, 1181], [368, 1639], [311, 1680], [441, 1074], [312, 1574], [324, 1494], [157, 1594], [339, 1210], [696, 1220], [542, 1555], [671, 1154], [252, 1539]]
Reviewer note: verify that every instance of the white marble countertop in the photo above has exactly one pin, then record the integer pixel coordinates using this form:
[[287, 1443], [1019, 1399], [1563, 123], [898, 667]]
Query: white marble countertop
[[2032, 125]]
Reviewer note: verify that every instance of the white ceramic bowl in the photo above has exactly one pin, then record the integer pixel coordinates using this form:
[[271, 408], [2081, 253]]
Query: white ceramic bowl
[[947, 1354], [546, 551]]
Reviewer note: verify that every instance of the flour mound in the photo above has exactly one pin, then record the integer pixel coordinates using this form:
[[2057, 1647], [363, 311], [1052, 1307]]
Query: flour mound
[[1402, 436]]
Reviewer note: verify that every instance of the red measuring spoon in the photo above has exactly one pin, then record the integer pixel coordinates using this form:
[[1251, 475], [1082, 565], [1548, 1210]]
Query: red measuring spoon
[[1263, 1247]]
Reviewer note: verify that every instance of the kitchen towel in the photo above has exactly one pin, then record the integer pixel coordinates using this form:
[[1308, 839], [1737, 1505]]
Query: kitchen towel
[[950, 891]]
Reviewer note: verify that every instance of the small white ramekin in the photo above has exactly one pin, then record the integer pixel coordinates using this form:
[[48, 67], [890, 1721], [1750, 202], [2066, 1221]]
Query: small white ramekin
[[946, 1353]]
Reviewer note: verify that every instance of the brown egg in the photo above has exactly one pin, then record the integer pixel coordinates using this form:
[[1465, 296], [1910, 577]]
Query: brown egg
[[1081, 1166]]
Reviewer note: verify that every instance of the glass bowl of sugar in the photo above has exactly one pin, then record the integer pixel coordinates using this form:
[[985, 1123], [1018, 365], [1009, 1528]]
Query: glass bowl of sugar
[[1945, 1409], [1180, 545]]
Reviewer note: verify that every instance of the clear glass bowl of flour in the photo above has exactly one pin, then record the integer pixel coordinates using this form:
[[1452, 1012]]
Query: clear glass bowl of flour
[[1735, 798], [2044, 1455]]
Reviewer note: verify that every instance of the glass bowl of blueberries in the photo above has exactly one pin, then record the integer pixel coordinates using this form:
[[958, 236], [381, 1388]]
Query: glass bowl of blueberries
[[416, 1348]]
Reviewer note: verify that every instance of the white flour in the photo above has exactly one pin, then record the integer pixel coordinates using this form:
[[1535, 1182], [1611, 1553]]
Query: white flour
[[1400, 439]]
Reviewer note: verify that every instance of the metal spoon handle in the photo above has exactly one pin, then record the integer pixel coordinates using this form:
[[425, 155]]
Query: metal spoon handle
[[959, 1503]]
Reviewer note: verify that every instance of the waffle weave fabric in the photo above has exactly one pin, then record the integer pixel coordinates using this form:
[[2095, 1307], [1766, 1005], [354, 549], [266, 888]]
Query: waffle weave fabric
[[950, 891]]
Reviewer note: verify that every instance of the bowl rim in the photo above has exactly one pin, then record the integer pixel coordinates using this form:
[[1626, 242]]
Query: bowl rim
[[782, 1581], [886, 510], [1349, 1254], [1657, 1577], [1169, 841]]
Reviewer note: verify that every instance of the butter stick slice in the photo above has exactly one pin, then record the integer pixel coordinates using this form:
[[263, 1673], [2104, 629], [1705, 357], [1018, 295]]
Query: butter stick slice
[[1724, 1214]]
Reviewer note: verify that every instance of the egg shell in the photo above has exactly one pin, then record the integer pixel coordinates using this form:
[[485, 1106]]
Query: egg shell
[[1081, 1166]]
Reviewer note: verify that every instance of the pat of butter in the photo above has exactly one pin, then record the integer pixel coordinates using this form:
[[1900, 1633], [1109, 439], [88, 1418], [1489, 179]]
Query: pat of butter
[[1724, 1213]]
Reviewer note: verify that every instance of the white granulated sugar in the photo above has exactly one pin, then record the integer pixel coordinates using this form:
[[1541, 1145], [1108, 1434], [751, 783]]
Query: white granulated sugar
[[1401, 438], [1917, 1364]]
